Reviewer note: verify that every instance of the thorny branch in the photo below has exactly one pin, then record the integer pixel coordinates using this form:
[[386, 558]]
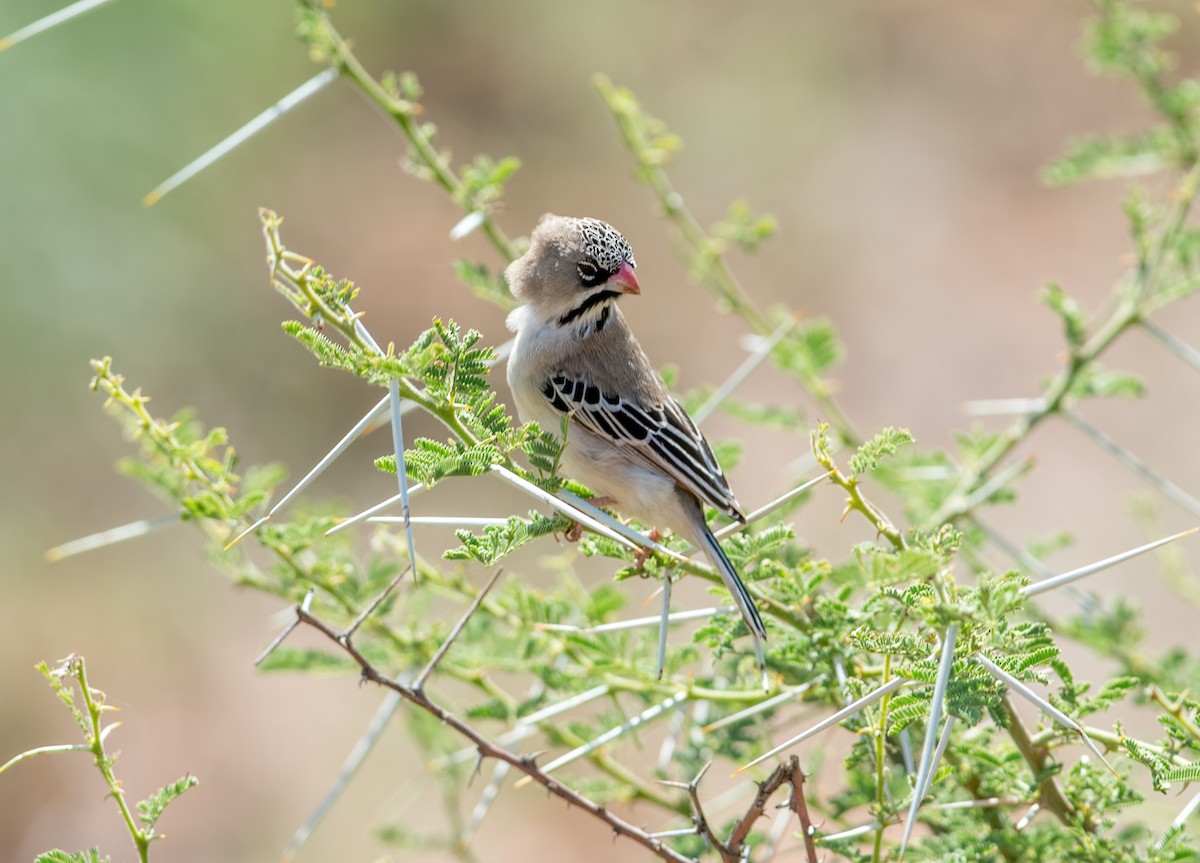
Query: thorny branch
[[735, 850], [487, 749]]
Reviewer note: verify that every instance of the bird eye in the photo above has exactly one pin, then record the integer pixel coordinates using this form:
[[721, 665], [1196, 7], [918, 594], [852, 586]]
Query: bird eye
[[589, 273]]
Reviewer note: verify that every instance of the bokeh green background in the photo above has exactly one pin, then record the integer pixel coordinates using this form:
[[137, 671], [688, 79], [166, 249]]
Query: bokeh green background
[[897, 144]]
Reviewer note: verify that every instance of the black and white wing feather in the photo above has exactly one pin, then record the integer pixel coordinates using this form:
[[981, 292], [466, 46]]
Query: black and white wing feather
[[662, 434]]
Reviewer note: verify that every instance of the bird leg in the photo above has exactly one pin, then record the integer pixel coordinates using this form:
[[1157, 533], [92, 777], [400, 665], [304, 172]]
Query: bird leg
[[643, 554], [575, 531]]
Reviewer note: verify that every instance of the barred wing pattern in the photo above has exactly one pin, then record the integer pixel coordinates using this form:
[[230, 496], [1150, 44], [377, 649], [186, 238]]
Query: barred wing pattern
[[663, 435]]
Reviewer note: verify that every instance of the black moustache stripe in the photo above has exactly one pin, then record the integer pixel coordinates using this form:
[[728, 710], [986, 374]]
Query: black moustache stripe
[[587, 305]]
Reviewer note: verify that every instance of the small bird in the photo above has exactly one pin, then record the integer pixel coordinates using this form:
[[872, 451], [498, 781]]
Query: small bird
[[628, 439]]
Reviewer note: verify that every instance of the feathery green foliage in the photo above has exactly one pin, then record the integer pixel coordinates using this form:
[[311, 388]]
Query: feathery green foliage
[[842, 622]]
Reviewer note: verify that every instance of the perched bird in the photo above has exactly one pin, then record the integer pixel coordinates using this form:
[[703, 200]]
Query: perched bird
[[628, 440]]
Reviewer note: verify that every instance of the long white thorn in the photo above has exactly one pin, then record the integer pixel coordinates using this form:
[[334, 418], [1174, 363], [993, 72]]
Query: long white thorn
[[569, 510], [484, 806], [111, 536], [1180, 348], [50, 21], [671, 739], [663, 623], [639, 539], [1067, 577], [566, 704], [291, 100], [927, 766], [845, 713], [1028, 817], [861, 830], [1134, 463], [764, 705], [353, 761], [735, 380], [1023, 557], [366, 514], [340, 447], [906, 754], [768, 508], [671, 834], [986, 803], [467, 224], [401, 469], [639, 622], [526, 726], [1003, 407], [1187, 812], [998, 482], [650, 713], [1057, 715], [444, 520]]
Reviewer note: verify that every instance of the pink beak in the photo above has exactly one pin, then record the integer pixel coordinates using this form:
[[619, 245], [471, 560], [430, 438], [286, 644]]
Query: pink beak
[[625, 280]]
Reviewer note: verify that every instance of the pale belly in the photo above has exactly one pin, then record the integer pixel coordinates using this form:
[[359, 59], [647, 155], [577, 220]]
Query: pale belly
[[610, 470]]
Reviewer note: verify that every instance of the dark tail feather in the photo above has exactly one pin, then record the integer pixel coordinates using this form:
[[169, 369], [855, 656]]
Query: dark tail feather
[[734, 585]]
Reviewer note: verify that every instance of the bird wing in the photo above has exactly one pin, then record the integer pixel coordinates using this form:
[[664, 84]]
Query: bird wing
[[662, 435]]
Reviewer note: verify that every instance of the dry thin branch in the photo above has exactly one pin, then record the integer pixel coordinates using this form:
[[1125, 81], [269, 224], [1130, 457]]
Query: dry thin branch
[[734, 851], [458, 627], [487, 749]]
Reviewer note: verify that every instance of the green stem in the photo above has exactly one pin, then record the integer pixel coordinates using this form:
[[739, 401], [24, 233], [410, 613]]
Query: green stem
[[1130, 308], [1037, 756], [854, 496], [404, 114], [714, 273], [141, 838], [880, 769], [1177, 709], [1112, 740]]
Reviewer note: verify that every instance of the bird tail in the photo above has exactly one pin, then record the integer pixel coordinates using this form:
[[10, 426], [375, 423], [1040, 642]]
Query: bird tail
[[735, 586]]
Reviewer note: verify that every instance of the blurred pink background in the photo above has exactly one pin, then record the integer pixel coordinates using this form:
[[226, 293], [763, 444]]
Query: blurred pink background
[[899, 147]]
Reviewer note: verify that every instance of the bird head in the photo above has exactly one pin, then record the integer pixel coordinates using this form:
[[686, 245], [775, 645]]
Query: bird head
[[571, 262]]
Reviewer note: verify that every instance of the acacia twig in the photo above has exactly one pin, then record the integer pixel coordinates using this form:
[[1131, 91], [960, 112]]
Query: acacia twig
[[487, 749], [734, 850]]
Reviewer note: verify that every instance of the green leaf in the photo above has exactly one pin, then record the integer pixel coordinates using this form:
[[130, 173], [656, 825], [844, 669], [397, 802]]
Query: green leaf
[[1104, 157], [810, 350], [483, 180], [151, 809], [484, 283], [498, 541], [1183, 773], [303, 659], [1160, 769], [92, 855], [885, 443], [1094, 381], [327, 353], [745, 229], [430, 461], [1074, 325], [1124, 39]]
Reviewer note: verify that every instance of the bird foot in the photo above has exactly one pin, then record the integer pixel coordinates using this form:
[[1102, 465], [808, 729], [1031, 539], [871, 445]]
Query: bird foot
[[575, 531], [643, 554]]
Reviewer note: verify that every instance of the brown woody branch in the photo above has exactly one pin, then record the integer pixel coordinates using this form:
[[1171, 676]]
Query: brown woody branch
[[1038, 759], [488, 749], [733, 851]]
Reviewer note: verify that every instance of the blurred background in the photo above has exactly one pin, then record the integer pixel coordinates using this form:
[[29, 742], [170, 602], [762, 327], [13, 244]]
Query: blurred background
[[898, 145]]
